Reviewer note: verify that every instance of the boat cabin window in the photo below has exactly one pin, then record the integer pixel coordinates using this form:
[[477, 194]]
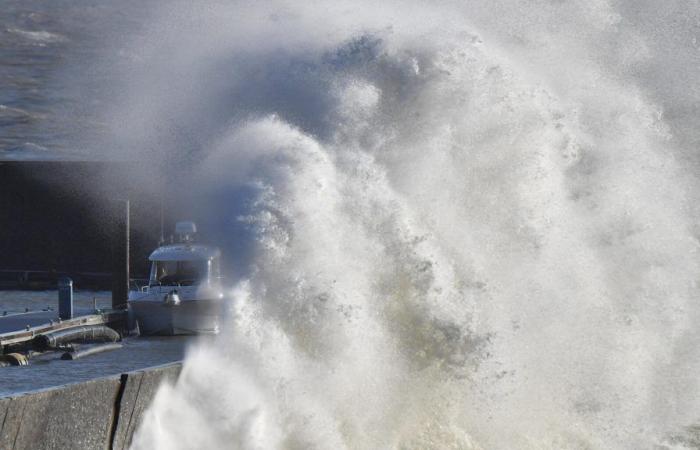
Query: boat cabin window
[[183, 273]]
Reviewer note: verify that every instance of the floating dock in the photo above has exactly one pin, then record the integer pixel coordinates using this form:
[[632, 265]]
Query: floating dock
[[19, 329]]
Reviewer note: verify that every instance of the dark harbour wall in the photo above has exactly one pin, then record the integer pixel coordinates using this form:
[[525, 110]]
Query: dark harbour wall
[[97, 414], [59, 216]]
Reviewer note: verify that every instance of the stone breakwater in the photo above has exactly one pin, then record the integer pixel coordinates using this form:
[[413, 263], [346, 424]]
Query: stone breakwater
[[100, 413]]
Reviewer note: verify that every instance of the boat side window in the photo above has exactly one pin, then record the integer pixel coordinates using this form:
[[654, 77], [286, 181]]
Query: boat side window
[[179, 272]]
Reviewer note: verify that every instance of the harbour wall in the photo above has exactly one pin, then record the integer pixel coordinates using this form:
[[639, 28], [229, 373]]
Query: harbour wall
[[57, 218], [96, 414]]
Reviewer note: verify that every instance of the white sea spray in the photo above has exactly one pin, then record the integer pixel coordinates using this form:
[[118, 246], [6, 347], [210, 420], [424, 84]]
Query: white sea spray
[[469, 225]]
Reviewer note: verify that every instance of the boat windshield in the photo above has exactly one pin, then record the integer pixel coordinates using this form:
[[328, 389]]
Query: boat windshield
[[182, 273]]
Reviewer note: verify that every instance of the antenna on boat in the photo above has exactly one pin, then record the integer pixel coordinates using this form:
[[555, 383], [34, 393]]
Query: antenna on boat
[[185, 231], [161, 241]]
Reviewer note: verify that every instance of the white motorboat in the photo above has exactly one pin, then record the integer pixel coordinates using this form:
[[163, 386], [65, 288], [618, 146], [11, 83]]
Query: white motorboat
[[184, 294]]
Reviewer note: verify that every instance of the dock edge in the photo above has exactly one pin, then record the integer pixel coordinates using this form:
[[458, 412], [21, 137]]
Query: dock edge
[[99, 413]]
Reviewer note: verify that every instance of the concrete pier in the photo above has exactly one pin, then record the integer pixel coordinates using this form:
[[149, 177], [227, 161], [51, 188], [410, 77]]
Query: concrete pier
[[96, 414]]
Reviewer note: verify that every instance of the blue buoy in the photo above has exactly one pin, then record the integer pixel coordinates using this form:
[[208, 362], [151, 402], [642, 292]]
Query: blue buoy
[[65, 298]]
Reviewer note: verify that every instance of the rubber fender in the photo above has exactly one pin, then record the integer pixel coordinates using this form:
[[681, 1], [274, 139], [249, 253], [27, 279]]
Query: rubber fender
[[15, 359], [85, 333], [90, 350]]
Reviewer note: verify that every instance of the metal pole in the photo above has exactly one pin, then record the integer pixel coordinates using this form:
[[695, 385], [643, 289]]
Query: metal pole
[[65, 298], [162, 221], [120, 277]]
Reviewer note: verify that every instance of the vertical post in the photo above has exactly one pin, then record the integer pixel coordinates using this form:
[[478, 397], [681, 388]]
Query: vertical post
[[162, 221], [120, 274], [65, 298]]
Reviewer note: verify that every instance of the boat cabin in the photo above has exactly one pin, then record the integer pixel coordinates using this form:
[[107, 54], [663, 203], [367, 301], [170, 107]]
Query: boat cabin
[[185, 263]]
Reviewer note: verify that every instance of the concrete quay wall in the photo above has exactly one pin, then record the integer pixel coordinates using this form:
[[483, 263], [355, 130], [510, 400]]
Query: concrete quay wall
[[96, 414]]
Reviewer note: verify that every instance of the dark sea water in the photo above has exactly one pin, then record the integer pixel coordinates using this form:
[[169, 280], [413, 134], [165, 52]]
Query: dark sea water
[[45, 46]]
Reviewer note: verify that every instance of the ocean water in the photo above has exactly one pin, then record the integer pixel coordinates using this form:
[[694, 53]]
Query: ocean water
[[466, 225], [47, 76]]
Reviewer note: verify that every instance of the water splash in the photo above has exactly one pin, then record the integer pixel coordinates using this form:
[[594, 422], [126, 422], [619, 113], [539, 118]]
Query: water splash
[[467, 226]]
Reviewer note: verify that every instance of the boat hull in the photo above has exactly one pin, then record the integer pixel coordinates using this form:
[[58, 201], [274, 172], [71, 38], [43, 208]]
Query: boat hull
[[187, 317]]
